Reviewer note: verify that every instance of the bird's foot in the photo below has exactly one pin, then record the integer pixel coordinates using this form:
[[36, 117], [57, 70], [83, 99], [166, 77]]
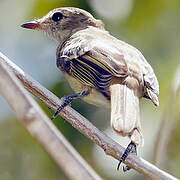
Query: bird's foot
[[66, 100], [131, 148]]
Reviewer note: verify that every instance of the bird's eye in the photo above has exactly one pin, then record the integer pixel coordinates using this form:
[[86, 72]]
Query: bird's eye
[[57, 16]]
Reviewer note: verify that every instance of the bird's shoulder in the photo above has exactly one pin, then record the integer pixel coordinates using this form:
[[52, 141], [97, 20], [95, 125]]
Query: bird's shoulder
[[94, 46]]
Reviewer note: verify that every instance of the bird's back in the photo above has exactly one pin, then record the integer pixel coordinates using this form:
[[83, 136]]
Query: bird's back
[[114, 56]]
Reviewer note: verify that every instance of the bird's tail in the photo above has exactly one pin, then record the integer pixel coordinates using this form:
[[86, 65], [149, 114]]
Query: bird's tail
[[125, 112]]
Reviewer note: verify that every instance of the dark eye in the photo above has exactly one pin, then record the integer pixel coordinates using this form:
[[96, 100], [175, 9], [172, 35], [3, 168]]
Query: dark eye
[[57, 16]]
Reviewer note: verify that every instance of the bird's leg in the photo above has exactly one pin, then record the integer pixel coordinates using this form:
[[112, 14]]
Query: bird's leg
[[130, 149], [66, 100]]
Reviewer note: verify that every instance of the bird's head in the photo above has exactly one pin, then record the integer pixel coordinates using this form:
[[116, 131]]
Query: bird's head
[[60, 23]]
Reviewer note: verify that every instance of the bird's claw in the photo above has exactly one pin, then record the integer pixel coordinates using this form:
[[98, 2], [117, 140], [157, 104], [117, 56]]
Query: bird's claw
[[131, 148]]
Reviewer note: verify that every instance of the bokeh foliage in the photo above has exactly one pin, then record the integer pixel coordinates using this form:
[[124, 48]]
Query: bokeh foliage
[[154, 28]]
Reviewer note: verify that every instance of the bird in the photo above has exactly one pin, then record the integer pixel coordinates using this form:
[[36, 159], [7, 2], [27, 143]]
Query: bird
[[101, 69]]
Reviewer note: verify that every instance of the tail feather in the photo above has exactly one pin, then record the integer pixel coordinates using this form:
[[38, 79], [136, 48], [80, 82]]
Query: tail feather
[[125, 113]]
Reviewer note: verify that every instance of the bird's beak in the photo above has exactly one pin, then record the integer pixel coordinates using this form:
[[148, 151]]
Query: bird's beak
[[35, 25]]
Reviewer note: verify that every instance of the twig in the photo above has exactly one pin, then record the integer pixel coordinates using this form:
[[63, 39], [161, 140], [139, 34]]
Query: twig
[[168, 123], [39, 125], [84, 126], [164, 133]]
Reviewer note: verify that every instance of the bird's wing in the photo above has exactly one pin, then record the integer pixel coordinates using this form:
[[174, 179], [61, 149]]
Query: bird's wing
[[102, 55], [95, 61], [92, 64]]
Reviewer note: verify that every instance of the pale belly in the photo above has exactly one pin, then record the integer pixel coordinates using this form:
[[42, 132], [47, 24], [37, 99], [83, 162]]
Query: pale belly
[[95, 97]]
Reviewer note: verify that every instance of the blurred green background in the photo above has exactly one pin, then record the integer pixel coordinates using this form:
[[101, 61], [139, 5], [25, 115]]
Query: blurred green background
[[151, 26]]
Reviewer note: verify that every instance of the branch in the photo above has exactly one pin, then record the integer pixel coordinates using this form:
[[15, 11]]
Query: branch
[[165, 132], [168, 123], [39, 125], [84, 126]]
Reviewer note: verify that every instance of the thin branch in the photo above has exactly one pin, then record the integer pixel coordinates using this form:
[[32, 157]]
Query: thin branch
[[168, 123], [39, 125], [164, 133], [84, 126]]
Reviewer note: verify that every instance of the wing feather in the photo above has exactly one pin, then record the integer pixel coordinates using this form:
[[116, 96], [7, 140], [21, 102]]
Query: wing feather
[[89, 73], [95, 61]]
